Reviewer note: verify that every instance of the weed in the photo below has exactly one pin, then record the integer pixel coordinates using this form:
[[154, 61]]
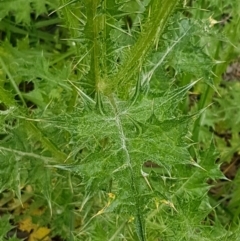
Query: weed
[[86, 106]]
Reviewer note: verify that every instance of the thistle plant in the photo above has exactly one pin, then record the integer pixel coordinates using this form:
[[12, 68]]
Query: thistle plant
[[100, 140]]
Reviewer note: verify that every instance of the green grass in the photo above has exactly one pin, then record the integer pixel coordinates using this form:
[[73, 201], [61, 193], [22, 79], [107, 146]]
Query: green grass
[[101, 133]]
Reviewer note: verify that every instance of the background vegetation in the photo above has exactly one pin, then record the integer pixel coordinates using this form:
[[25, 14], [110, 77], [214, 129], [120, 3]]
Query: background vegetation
[[119, 120]]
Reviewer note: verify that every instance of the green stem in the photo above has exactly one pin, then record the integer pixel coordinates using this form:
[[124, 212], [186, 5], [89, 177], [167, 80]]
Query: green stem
[[158, 15], [95, 31]]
